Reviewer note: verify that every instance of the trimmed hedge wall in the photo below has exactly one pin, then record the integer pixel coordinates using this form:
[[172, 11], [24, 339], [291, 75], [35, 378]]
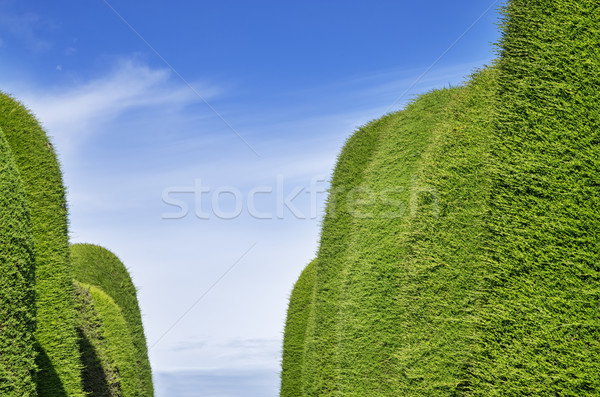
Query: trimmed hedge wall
[[318, 374], [541, 321], [17, 283], [99, 267], [294, 340], [33, 154], [106, 346], [468, 262]]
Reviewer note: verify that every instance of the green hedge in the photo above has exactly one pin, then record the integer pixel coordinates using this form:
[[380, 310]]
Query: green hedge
[[541, 322], [352, 296], [440, 283], [488, 281], [293, 342], [319, 364], [106, 346], [58, 360], [375, 302], [17, 283], [99, 267]]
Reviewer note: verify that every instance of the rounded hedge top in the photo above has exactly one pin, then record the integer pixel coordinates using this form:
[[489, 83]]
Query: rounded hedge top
[[33, 154], [99, 267]]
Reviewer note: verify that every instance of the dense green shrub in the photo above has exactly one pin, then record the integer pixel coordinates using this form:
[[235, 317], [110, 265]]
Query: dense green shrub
[[58, 359], [99, 267], [488, 281], [541, 322], [293, 343], [376, 301], [319, 365], [410, 184], [107, 351], [17, 283]]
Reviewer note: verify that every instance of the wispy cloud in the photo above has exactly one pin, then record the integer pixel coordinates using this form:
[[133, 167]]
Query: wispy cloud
[[237, 354], [217, 383], [189, 345], [71, 113]]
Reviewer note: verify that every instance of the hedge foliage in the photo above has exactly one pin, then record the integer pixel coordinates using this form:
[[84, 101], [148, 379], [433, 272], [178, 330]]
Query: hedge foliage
[[98, 267], [17, 283], [376, 204], [33, 154], [541, 321], [460, 248], [319, 364], [296, 324], [106, 346]]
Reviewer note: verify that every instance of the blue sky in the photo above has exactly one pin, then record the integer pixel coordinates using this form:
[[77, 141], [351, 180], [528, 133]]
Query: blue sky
[[288, 82]]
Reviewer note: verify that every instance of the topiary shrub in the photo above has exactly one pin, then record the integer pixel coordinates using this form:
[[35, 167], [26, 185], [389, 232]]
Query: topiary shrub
[[490, 284], [33, 154], [17, 283], [319, 365], [100, 268], [107, 350], [372, 302], [540, 323], [293, 343]]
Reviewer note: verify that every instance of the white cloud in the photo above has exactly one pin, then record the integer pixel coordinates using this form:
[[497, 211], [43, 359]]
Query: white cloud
[[227, 354], [219, 383], [72, 113]]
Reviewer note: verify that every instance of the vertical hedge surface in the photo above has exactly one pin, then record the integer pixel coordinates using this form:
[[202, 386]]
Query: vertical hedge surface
[[99, 267], [319, 372], [542, 321], [17, 283], [58, 361], [490, 284], [107, 350], [377, 304], [295, 335]]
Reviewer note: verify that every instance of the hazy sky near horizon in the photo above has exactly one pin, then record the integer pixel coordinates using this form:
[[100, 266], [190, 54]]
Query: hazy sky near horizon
[[247, 104]]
